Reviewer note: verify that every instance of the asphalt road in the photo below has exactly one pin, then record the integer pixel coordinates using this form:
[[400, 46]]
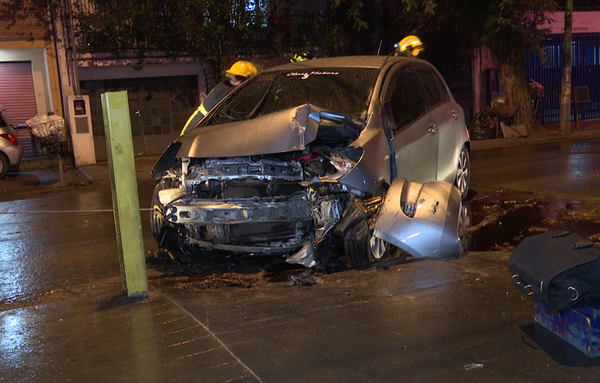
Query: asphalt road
[[63, 316], [562, 169]]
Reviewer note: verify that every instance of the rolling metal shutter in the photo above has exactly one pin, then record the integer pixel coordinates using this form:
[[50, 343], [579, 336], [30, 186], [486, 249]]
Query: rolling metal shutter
[[17, 92]]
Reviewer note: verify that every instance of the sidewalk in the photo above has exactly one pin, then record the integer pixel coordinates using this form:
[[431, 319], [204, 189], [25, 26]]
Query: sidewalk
[[42, 176], [98, 173], [587, 129]]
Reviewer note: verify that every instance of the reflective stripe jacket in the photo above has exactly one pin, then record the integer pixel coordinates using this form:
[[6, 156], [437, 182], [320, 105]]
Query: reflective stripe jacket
[[221, 90]]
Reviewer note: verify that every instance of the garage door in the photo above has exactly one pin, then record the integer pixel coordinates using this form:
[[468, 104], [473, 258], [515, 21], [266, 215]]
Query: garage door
[[17, 93]]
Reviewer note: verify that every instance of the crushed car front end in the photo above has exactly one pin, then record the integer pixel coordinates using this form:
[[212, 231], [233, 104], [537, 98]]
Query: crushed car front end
[[267, 204]]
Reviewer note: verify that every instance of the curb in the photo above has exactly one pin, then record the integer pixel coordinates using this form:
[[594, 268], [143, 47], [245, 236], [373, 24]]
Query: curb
[[44, 163], [549, 137], [87, 175]]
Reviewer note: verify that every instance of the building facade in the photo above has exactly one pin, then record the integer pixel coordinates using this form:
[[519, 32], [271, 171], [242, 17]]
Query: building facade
[[40, 71], [548, 71], [29, 71], [585, 70]]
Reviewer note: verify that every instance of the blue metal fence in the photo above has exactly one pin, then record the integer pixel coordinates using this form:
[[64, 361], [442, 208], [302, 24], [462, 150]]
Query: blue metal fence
[[585, 72]]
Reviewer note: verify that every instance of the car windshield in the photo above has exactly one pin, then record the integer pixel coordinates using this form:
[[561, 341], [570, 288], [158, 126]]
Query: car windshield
[[342, 90]]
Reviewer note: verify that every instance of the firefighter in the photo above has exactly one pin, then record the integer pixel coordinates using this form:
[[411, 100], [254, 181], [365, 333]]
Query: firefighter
[[234, 76], [409, 46], [302, 56]]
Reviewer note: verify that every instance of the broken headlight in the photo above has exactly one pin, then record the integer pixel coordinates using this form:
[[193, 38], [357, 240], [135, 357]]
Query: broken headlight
[[343, 161]]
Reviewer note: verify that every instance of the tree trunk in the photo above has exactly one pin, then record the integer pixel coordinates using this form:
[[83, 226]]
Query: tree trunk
[[514, 85], [565, 90]]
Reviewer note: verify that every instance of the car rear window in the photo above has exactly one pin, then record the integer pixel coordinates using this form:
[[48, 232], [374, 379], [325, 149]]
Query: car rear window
[[343, 90]]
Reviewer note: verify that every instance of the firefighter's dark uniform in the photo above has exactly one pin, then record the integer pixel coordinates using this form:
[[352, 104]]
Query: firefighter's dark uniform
[[221, 90]]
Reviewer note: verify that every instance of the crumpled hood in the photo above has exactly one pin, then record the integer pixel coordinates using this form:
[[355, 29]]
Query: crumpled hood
[[284, 131]]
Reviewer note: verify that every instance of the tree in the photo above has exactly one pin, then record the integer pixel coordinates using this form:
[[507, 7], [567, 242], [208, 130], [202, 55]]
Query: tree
[[349, 28], [214, 31], [455, 27], [14, 11], [512, 27], [565, 92], [507, 28]]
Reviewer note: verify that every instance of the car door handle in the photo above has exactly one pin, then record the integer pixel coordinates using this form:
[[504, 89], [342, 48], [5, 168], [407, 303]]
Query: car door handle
[[455, 114], [433, 129]]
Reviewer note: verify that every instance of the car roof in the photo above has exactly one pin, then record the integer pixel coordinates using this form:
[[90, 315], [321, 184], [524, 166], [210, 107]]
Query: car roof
[[350, 62]]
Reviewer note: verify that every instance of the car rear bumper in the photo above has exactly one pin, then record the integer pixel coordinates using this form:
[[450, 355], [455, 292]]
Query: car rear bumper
[[14, 153]]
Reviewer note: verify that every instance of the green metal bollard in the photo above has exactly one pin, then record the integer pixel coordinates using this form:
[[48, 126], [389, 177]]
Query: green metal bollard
[[126, 206]]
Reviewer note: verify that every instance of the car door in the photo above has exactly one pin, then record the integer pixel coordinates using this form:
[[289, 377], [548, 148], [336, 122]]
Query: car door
[[447, 116], [413, 133]]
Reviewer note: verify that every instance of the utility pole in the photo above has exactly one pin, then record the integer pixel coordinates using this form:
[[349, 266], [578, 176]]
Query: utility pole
[[565, 92], [126, 205]]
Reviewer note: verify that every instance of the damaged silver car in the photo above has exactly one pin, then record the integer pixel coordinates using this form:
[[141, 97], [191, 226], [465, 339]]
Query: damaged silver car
[[346, 155]]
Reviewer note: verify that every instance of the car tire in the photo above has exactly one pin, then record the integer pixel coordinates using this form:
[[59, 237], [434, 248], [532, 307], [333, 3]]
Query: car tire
[[167, 237], [362, 247], [463, 172], [4, 165], [157, 209], [156, 223]]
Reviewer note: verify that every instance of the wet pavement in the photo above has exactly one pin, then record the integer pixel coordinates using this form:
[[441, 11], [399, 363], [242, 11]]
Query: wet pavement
[[63, 316], [501, 219]]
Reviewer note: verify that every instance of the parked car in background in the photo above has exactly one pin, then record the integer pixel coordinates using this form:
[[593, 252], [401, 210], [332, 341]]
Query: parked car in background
[[348, 153], [11, 152]]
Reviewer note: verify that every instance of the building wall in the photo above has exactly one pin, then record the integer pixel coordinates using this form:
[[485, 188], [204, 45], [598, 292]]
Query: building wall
[[26, 28], [583, 22], [26, 40], [162, 94]]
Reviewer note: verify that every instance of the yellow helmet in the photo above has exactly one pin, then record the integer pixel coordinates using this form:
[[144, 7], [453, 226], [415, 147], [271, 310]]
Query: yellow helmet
[[410, 46], [242, 68]]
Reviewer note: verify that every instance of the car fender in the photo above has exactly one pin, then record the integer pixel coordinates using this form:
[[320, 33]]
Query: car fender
[[373, 169], [421, 218]]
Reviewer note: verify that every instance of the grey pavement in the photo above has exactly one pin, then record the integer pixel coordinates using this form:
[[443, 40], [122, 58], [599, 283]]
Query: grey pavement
[[453, 320]]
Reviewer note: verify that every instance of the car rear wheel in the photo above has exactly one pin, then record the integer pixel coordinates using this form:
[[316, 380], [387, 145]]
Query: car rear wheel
[[4, 165], [463, 172]]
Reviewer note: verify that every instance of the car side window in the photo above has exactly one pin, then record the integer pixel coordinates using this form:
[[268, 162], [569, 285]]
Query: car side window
[[434, 88], [407, 100]]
